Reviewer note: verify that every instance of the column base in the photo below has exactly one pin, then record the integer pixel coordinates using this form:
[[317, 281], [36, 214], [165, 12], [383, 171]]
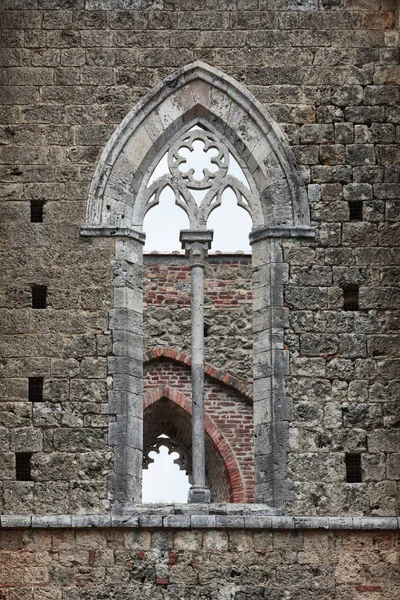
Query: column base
[[199, 495]]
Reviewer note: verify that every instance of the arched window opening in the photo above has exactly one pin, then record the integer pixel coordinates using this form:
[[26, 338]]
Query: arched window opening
[[165, 469], [167, 424], [163, 223], [228, 118], [231, 222], [231, 225], [200, 175]]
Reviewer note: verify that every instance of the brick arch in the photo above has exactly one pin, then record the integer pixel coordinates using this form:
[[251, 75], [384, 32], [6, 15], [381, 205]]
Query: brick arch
[[234, 476], [183, 358]]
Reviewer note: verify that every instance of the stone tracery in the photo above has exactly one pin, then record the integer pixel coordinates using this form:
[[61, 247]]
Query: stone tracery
[[183, 460], [183, 181]]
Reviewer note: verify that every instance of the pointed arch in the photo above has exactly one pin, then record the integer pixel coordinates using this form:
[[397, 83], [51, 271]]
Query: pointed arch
[[222, 449], [197, 94], [185, 359]]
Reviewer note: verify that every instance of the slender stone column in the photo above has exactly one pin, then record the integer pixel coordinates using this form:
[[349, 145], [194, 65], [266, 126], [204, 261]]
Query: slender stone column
[[196, 245]]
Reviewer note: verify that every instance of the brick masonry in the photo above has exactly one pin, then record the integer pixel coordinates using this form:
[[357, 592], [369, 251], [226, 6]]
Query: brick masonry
[[227, 305], [229, 412]]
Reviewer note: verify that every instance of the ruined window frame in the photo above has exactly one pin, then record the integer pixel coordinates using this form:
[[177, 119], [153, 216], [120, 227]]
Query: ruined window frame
[[196, 92]]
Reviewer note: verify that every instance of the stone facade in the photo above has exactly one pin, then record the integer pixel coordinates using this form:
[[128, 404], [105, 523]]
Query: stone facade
[[198, 564], [306, 93]]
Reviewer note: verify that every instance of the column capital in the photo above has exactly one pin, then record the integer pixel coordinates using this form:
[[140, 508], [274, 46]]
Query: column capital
[[196, 245]]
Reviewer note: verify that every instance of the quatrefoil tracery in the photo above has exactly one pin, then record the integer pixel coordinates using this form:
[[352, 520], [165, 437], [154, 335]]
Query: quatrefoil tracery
[[185, 185]]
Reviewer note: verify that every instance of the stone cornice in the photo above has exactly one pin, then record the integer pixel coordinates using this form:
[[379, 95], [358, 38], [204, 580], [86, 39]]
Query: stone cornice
[[113, 232], [200, 516]]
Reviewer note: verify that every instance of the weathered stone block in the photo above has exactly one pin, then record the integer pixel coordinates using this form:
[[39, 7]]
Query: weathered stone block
[[26, 440], [78, 440], [360, 154], [340, 368], [393, 466], [381, 94], [382, 498], [354, 233], [7, 465], [18, 497], [383, 440], [347, 95], [317, 133], [51, 497]]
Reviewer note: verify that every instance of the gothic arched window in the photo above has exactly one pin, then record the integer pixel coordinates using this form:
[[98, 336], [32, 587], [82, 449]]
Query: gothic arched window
[[199, 104]]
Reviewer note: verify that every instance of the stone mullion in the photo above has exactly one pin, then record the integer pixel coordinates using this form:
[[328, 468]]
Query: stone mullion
[[196, 245], [197, 316]]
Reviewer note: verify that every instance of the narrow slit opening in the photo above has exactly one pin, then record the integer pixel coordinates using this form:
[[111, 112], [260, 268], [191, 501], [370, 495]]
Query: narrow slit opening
[[356, 210], [23, 466], [35, 389], [353, 468], [350, 297], [39, 296], [37, 211]]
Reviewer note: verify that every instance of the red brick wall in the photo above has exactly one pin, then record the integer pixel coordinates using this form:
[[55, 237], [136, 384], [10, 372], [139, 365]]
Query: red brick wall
[[230, 412], [160, 283]]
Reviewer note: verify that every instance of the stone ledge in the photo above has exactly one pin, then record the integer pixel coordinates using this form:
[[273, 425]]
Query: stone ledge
[[173, 517], [263, 233], [104, 231]]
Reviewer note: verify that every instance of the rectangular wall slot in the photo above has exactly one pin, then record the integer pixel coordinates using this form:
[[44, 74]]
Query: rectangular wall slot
[[39, 295], [23, 466], [350, 297], [37, 211], [35, 389], [353, 468], [356, 210]]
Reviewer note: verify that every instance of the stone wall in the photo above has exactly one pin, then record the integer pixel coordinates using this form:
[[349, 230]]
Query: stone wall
[[328, 73], [343, 378], [84, 564]]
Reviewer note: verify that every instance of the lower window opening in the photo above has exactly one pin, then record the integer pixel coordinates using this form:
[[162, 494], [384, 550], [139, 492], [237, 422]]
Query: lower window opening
[[163, 477], [168, 427]]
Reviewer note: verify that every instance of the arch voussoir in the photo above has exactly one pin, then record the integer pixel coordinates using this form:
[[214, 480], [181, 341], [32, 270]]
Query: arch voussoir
[[219, 375]]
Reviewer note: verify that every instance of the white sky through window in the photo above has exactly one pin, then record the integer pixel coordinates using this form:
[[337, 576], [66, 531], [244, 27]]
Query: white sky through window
[[163, 480], [163, 223], [230, 222]]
